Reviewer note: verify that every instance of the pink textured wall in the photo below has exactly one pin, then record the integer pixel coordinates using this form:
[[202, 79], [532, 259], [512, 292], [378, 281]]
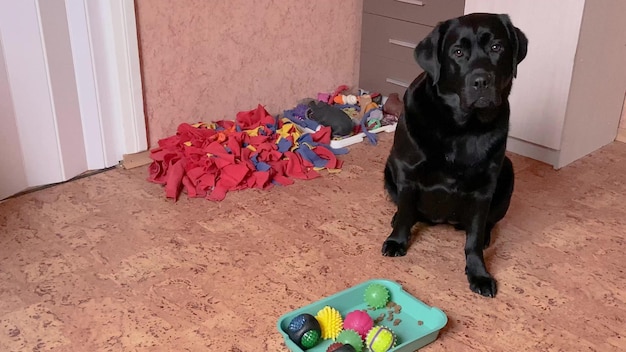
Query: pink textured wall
[[207, 60]]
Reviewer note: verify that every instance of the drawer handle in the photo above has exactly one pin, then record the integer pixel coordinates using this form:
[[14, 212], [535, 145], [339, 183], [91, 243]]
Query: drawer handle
[[402, 43], [397, 83], [412, 2]]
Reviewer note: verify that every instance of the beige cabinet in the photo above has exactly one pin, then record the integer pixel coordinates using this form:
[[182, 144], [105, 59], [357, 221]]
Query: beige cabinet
[[391, 30], [567, 99]]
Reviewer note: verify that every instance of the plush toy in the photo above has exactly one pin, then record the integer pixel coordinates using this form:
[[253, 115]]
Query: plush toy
[[339, 122], [346, 99], [364, 100], [393, 105]]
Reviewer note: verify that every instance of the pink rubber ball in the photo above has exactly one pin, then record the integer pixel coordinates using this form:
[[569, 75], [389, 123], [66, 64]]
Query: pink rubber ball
[[359, 321]]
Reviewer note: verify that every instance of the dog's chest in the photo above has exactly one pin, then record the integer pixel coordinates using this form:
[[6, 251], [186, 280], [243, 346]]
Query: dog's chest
[[453, 179], [460, 166], [468, 150], [446, 194]]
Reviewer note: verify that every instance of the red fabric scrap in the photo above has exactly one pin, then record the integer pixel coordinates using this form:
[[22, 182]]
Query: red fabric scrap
[[323, 135], [211, 160]]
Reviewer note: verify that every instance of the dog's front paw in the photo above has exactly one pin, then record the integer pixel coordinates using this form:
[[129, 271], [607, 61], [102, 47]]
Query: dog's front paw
[[392, 248], [483, 285]]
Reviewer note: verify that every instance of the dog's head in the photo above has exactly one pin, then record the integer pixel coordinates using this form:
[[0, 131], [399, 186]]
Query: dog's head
[[473, 59]]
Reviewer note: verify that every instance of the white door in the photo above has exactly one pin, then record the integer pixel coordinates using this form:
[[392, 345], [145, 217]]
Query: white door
[[70, 89]]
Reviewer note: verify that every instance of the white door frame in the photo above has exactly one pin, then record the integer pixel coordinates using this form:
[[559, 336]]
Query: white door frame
[[106, 54], [73, 82]]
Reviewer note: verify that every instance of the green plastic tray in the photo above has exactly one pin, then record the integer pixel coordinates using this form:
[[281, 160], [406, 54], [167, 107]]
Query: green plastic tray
[[420, 324]]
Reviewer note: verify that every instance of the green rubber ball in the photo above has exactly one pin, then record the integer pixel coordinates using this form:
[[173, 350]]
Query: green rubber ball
[[310, 339], [351, 337], [376, 296]]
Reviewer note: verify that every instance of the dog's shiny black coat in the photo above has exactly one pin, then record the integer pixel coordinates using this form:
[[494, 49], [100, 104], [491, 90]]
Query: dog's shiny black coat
[[448, 163]]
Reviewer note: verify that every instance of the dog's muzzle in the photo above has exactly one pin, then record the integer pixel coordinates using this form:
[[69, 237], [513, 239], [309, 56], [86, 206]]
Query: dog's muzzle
[[480, 91]]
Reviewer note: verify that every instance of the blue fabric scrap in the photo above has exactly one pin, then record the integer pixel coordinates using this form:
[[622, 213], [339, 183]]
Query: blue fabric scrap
[[259, 165], [370, 136], [308, 138], [284, 145], [309, 155]]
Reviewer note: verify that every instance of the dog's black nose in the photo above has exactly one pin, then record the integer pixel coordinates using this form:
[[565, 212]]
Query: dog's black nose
[[481, 81]]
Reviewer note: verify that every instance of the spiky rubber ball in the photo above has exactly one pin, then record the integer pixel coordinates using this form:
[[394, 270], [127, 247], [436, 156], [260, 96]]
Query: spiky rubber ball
[[340, 347], [351, 337], [376, 296], [359, 321], [330, 321], [380, 339]]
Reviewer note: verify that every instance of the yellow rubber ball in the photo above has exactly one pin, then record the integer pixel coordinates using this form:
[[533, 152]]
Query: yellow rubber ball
[[380, 339], [331, 322]]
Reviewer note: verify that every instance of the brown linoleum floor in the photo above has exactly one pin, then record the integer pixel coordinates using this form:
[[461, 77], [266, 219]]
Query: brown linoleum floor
[[106, 263]]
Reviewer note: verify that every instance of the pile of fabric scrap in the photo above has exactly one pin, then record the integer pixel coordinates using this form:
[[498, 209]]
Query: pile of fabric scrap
[[257, 150]]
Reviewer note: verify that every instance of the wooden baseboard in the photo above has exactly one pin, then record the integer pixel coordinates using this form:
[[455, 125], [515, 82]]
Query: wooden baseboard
[[134, 160], [621, 135], [533, 151]]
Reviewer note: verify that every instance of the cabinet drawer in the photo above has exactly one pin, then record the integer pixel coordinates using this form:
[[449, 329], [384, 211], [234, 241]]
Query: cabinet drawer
[[428, 12], [391, 38], [384, 75]]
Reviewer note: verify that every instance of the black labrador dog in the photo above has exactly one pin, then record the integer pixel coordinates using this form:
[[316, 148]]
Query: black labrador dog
[[448, 163]]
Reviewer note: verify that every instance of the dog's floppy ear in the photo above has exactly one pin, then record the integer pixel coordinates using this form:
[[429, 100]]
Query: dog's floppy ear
[[427, 51], [518, 39]]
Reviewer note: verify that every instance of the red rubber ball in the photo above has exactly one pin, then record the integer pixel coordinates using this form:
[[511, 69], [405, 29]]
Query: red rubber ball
[[340, 347], [359, 321]]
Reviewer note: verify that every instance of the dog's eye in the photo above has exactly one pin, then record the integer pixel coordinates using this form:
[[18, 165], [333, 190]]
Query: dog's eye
[[458, 53], [496, 47]]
